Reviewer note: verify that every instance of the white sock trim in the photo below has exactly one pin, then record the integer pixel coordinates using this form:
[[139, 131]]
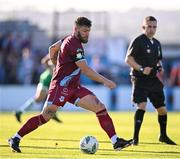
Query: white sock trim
[[114, 139], [18, 136]]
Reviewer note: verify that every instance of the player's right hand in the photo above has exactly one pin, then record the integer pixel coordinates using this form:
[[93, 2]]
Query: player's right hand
[[147, 70], [110, 84]]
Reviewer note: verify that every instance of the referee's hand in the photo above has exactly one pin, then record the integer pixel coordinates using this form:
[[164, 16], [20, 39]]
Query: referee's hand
[[147, 70]]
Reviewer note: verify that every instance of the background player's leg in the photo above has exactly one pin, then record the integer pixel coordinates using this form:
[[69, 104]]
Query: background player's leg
[[39, 97]]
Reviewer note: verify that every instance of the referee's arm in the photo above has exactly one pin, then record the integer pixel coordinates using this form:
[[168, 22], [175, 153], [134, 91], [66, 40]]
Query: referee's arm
[[132, 63]]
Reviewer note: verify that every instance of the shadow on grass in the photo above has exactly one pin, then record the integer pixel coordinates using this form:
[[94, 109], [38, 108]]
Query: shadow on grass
[[69, 148], [75, 140]]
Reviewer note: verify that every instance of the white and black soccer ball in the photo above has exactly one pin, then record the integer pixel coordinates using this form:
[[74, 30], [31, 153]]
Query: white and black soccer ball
[[89, 144]]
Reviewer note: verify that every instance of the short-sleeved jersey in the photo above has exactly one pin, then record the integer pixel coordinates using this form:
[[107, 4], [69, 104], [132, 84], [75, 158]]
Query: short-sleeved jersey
[[146, 53], [66, 72]]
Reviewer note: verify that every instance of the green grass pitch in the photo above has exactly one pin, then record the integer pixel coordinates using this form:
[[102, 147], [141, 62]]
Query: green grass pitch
[[54, 140]]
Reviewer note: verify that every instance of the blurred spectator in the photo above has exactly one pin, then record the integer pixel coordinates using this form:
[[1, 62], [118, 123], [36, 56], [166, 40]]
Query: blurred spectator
[[7, 44], [174, 79], [2, 71], [16, 68], [98, 65], [11, 69], [26, 68]]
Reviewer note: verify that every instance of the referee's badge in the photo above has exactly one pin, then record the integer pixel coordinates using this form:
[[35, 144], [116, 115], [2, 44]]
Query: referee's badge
[[148, 51]]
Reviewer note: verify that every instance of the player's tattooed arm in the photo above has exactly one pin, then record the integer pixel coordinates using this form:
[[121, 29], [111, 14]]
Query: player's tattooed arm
[[54, 49]]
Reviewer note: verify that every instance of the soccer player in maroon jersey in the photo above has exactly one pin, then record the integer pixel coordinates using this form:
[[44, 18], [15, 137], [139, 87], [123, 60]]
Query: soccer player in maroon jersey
[[65, 86]]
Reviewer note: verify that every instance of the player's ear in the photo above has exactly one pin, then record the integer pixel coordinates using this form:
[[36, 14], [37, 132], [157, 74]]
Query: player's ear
[[75, 29], [143, 27]]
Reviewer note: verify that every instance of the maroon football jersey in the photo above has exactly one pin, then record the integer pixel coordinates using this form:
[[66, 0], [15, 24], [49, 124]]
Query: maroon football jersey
[[67, 73]]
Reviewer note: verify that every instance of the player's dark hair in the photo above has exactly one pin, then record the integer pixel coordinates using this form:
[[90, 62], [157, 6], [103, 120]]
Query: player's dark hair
[[150, 18], [83, 21]]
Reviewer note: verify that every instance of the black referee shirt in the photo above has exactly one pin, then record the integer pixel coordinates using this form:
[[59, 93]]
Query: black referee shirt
[[146, 53]]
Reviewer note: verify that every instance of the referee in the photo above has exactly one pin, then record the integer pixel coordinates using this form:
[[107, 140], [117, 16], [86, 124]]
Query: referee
[[144, 56]]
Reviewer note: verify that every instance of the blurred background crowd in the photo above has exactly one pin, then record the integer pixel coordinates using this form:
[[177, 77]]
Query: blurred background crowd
[[29, 27], [25, 38]]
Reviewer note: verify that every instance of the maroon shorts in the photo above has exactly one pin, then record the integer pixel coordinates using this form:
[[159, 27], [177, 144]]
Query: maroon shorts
[[60, 95]]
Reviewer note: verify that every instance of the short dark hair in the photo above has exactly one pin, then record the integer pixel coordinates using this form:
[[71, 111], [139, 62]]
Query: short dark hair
[[150, 18], [83, 21]]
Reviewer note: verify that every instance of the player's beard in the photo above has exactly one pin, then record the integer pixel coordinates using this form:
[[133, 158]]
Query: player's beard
[[83, 40]]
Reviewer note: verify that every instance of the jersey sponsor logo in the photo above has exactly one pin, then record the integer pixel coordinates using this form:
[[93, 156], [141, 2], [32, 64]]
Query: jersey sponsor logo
[[65, 90], [66, 94]]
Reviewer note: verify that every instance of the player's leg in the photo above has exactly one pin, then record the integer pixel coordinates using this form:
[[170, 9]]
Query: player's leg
[[139, 98], [157, 98], [90, 102], [138, 119], [32, 124], [40, 95], [162, 119], [45, 80]]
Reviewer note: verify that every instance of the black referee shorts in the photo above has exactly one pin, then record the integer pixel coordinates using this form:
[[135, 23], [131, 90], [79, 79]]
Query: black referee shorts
[[144, 88]]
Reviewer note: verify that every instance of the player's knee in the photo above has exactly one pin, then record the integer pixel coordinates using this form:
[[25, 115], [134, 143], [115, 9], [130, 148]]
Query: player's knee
[[38, 99], [142, 106], [100, 106], [49, 112], [101, 112], [162, 111], [46, 117]]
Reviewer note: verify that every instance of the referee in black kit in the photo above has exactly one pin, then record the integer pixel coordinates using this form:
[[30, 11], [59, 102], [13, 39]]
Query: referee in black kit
[[144, 56]]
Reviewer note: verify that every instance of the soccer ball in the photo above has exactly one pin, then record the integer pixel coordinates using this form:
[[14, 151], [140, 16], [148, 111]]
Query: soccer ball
[[89, 144]]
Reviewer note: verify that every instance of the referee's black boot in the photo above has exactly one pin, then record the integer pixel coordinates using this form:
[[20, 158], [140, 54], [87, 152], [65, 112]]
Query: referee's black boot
[[166, 140], [135, 142]]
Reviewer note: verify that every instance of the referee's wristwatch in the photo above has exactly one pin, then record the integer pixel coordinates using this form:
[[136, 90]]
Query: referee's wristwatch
[[141, 69]]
